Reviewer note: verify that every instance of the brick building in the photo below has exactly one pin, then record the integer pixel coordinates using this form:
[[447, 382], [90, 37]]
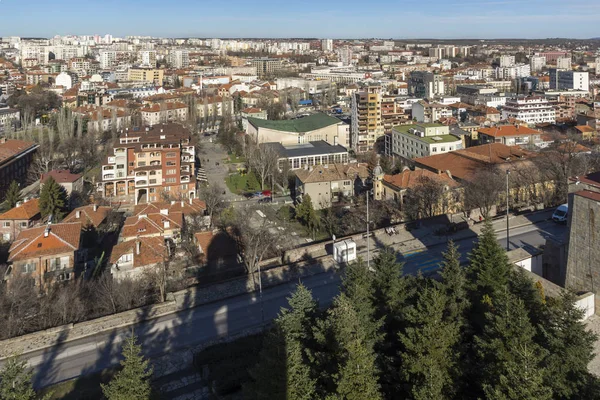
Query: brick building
[[15, 157], [150, 161], [23, 216]]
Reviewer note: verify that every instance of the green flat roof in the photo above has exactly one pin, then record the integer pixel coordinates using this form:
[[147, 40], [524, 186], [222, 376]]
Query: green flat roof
[[444, 139], [427, 139], [301, 125]]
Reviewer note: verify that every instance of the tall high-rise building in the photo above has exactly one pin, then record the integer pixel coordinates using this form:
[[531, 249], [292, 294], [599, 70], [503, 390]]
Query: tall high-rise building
[[563, 62], [569, 80], [108, 59], [345, 55], [266, 66], [179, 58], [147, 58], [367, 122], [327, 45], [425, 84], [537, 63], [507, 61]]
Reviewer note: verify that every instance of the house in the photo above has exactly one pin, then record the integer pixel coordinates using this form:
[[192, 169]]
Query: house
[[132, 258], [586, 131], [71, 182], [216, 247], [47, 254], [510, 135], [190, 208], [164, 223], [327, 183], [91, 215], [24, 215], [394, 187]]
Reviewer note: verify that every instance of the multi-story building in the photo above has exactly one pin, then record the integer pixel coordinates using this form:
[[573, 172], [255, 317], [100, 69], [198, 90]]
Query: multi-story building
[[327, 45], [345, 55], [513, 71], [425, 84], [531, 110], [108, 59], [148, 58], [154, 114], [563, 62], [367, 123], [392, 113], [8, 116], [569, 80], [266, 66], [552, 56], [422, 140], [507, 61], [150, 161], [425, 111], [179, 58], [15, 158], [24, 215], [537, 63], [146, 75], [47, 254], [510, 135]]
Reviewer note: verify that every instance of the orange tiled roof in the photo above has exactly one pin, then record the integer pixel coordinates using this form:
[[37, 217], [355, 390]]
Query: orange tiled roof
[[204, 239], [163, 106], [31, 243], [88, 215], [508, 130], [409, 179], [584, 128], [12, 147], [60, 176], [184, 207], [152, 251], [151, 224], [27, 210]]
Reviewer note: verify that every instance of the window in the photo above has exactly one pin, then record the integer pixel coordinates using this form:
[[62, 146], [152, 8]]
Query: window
[[171, 171], [184, 187], [23, 224], [6, 224], [171, 155], [347, 183], [171, 163], [152, 181], [28, 268], [171, 180], [142, 164]]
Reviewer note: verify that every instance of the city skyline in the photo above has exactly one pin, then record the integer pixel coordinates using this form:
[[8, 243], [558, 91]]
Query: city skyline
[[457, 19]]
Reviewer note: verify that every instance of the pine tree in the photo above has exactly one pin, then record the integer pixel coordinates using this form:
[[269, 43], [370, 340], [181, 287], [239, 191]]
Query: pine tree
[[357, 376], [306, 214], [570, 348], [284, 369], [15, 381], [132, 382], [510, 362], [428, 343], [454, 283], [13, 195], [53, 199]]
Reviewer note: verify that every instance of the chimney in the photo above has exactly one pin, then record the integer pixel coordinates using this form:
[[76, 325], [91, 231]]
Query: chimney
[[77, 214], [138, 245], [164, 211], [182, 203], [95, 207], [19, 204], [47, 231], [172, 202]]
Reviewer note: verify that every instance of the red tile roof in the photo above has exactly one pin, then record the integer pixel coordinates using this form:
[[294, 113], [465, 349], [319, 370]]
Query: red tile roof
[[152, 251], [88, 216], [13, 147], [508, 130], [61, 176], [408, 179], [31, 243], [204, 239], [27, 210], [589, 195]]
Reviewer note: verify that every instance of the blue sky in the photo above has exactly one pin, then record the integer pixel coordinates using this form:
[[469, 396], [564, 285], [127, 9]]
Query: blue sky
[[304, 18]]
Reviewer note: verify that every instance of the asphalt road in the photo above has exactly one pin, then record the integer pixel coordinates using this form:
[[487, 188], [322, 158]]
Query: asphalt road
[[198, 325]]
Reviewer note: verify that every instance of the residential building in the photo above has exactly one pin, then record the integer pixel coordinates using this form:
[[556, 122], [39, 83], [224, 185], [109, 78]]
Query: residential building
[[513, 72], [166, 112], [422, 140], [147, 58], [328, 183], [266, 66], [537, 63], [47, 254], [309, 154], [71, 182], [149, 161], [91, 215], [108, 59], [569, 80], [102, 119], [152, 75], [252, 112], [312, 128], [510, 135], [553, 56], [563, 63], [426, 111], [163, 223], [531, 110], [327, 45], [392, 113], [179, 58], [15, 158], [216, 247], [425, 84], [23, 216], [507, 61], [367, 122], [9, 116], [132, 258]]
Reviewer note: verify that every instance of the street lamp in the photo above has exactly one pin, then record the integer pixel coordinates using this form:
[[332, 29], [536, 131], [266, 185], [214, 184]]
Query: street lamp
[[507, 227]]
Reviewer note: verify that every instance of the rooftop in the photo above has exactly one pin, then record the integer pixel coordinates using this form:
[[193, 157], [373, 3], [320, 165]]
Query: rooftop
[[60, 176], [32, 243], [92, 215], [27, 210], [152, 251], [308, 149], [301, 125], [12, 147], [408, 179], [333, 172], [508, 130]]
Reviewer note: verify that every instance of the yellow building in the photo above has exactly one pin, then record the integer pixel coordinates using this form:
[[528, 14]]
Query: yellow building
[[145, 75]]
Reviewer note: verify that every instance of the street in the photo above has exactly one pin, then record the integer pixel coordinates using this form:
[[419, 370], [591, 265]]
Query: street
[[201, 324]]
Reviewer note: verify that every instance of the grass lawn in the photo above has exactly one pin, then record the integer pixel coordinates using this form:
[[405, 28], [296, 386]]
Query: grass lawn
[[233, 159], [240, 184]]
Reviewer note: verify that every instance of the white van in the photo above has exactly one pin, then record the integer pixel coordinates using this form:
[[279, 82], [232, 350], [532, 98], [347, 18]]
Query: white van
[[561, 213]]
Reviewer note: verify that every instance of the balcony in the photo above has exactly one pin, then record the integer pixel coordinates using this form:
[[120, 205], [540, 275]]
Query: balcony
[[141, 183]]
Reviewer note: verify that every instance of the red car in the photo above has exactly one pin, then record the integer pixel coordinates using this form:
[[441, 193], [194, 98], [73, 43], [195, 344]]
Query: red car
[[266, 193]]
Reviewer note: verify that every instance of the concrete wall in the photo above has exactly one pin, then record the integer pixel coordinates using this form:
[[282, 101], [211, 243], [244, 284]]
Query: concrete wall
[[533, 264]]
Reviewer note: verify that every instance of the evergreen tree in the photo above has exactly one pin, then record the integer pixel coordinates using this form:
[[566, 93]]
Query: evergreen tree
[[531, 294], [454, 281], [357, 376], [53, 199], [284, 371], [570, 349], [510, 362], [13, 195], [15, 381], [428, 343], [307, 215], [132, 382]]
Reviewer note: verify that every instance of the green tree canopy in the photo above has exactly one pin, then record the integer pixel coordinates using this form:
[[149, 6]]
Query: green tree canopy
[[53, 200], [15, 381], [13, 195]]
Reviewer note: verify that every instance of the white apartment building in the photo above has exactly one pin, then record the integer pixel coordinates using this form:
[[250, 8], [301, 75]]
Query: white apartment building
[[327, 45], [179, 58], [531, 110], [563, 63], [108, 59], [424, 111], [513, 72], [507, 61], [147, 58], [422, 140], [537, 63]]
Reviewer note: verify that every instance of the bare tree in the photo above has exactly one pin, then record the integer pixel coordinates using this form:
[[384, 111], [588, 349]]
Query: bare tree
[[263, 160], [214, 200], [425, 199], [482, 190], [256, 241]]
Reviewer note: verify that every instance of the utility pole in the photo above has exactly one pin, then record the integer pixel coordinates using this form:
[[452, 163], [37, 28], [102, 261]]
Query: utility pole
[[507, 225]]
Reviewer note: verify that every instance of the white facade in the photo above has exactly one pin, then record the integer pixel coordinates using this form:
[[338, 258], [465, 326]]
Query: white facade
[[179, 58], [148, 58], [537, 63], [532, 110], [64, 79], [507, 61], [414, 141], [108, 59], [563, 62], [512, 72], [327, 45]]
